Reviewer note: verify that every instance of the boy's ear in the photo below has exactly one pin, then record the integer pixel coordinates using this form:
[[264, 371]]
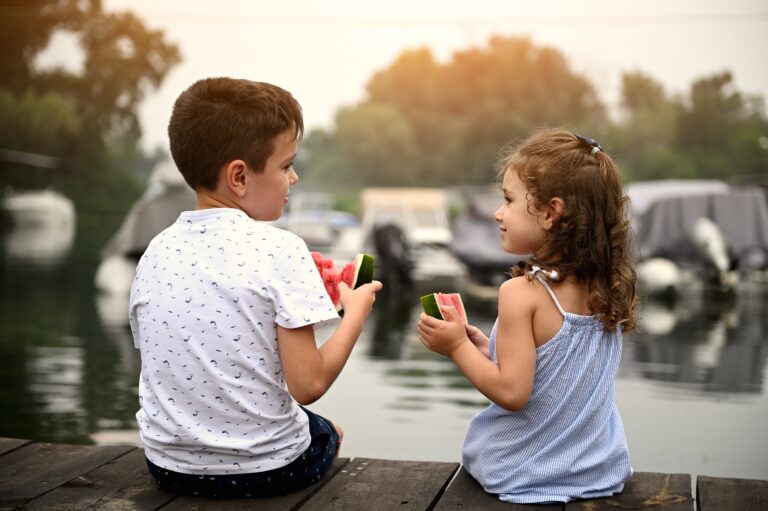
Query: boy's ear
[[554, 211], [235, 177]]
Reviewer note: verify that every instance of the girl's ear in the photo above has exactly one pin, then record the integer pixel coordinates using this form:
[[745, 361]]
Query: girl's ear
[[554, 211], [235, 177]]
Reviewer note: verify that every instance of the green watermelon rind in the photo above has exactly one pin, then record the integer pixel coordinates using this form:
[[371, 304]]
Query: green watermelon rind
[[430, 305], [364, 266]]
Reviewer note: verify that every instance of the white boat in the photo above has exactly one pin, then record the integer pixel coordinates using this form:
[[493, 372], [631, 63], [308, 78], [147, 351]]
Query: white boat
[[408, 230], [42, 225]]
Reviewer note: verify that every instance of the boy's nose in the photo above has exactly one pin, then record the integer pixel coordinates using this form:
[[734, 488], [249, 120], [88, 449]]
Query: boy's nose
[[293, 177]]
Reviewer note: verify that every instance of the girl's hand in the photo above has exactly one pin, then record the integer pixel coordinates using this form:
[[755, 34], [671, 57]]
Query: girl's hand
[[358, 302], [442, 336], [479, 339]]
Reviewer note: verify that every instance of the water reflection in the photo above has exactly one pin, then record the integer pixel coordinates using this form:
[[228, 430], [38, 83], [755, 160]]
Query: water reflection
[[711, 344]]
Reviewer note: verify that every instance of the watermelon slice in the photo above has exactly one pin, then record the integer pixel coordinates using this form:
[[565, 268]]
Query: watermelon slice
[[432, 302], [354, 274]]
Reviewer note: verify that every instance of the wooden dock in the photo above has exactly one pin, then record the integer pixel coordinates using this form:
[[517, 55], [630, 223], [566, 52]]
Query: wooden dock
[[38, 476]]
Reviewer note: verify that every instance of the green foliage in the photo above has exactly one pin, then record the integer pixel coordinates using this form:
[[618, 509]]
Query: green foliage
[[38, 123], [431, 123], [714, 132], [87, 120], [425, 122]]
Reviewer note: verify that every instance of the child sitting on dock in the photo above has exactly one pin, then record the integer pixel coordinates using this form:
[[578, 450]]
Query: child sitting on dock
[[223, 308], [552, 432]]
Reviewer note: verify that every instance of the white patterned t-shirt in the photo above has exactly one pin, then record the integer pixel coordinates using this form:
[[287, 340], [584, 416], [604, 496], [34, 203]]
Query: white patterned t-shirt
[[208, 295]]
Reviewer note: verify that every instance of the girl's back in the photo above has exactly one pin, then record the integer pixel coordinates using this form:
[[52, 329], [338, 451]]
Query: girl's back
[[568, 442]]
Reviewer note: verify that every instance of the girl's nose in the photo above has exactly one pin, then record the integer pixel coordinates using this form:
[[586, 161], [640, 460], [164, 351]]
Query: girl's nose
[[498, 214], [293, 177]]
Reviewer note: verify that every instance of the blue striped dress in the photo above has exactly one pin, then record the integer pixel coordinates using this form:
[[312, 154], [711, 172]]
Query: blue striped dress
[[568, 442]]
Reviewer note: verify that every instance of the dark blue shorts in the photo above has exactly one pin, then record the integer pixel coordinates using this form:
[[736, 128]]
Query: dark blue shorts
[[304, 471]]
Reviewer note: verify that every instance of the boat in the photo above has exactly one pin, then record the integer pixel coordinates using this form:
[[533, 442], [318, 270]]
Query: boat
[[312, 217], [476, 243], [708, 235], [166, 196], [408, 230], [41, 225]]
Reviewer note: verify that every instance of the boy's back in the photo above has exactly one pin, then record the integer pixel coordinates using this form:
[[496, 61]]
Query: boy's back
[[209, 293], [223, 308]]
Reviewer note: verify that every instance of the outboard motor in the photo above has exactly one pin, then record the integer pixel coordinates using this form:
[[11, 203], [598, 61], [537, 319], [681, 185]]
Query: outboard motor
[[394, 258], [708, 238]]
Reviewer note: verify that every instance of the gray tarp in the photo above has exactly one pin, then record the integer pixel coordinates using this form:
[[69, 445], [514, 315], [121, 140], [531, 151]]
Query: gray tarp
[[741, 214], [476, 240], [165, 198]]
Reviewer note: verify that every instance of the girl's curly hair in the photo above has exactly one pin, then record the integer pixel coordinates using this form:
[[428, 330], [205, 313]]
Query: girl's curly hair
[[592, 239]]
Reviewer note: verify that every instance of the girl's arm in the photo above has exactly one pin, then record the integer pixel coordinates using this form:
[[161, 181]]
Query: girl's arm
[[509, 381], [309, 371], [479, 339]]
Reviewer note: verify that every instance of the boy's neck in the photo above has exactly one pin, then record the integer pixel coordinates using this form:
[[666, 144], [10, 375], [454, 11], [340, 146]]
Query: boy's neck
[[208, 200]]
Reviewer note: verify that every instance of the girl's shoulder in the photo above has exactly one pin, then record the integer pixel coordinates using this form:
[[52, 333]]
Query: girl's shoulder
[[518, 291], [521, 284]]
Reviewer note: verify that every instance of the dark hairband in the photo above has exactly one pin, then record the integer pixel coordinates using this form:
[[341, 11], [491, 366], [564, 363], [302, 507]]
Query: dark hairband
[[591, 142]]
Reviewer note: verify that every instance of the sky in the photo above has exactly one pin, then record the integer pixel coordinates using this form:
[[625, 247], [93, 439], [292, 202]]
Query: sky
[[325, 51]]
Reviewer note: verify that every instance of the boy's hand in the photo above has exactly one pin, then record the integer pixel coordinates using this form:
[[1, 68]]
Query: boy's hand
[[358, 301], [479, 339], [442, 336]]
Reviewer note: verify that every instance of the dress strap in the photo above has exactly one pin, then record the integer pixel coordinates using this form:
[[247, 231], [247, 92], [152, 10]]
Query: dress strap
[[537, 273]]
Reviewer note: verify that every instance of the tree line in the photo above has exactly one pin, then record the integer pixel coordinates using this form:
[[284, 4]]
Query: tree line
[[424, 122], [421, 123]]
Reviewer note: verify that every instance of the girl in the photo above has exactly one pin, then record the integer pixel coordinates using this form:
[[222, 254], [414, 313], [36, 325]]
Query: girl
[[552, 432]]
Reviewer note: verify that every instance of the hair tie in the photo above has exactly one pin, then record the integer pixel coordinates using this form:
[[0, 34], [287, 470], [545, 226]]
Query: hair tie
[[591, 142]]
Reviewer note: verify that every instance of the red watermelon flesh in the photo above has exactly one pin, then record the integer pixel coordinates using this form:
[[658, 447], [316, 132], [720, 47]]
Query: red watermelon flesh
[[321, 262], [454, 300], [332, 276], [348, 274]]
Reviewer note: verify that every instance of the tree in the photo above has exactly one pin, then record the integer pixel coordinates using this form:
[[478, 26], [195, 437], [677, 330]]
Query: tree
[[644, 138], [93, 112], [720, 129], [430, 123]]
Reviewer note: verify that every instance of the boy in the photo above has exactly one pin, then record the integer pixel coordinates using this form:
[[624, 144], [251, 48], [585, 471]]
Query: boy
[[223, 309]]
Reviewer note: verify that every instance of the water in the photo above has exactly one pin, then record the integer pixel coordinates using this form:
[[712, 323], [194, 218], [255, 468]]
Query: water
[[691, 388]]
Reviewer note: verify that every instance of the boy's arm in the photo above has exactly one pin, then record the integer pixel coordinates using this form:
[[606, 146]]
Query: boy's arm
[[309, 371], [509, 381]]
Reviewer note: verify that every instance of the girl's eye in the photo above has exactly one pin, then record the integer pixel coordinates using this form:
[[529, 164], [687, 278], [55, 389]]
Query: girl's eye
[[288, 167], [507, 200]]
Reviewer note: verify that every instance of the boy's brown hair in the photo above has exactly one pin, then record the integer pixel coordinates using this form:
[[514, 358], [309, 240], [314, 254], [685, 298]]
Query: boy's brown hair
[[592, 239], [218, 120]]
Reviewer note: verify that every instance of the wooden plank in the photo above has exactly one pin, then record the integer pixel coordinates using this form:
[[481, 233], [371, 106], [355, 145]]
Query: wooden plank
[[645, 491], [282, 503], [123, 483], [466, 494], [374, 485], [37, 468], [721, 494], [9, 444]]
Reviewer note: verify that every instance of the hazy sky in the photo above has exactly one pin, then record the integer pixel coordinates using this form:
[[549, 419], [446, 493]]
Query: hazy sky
[[325, 51]]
